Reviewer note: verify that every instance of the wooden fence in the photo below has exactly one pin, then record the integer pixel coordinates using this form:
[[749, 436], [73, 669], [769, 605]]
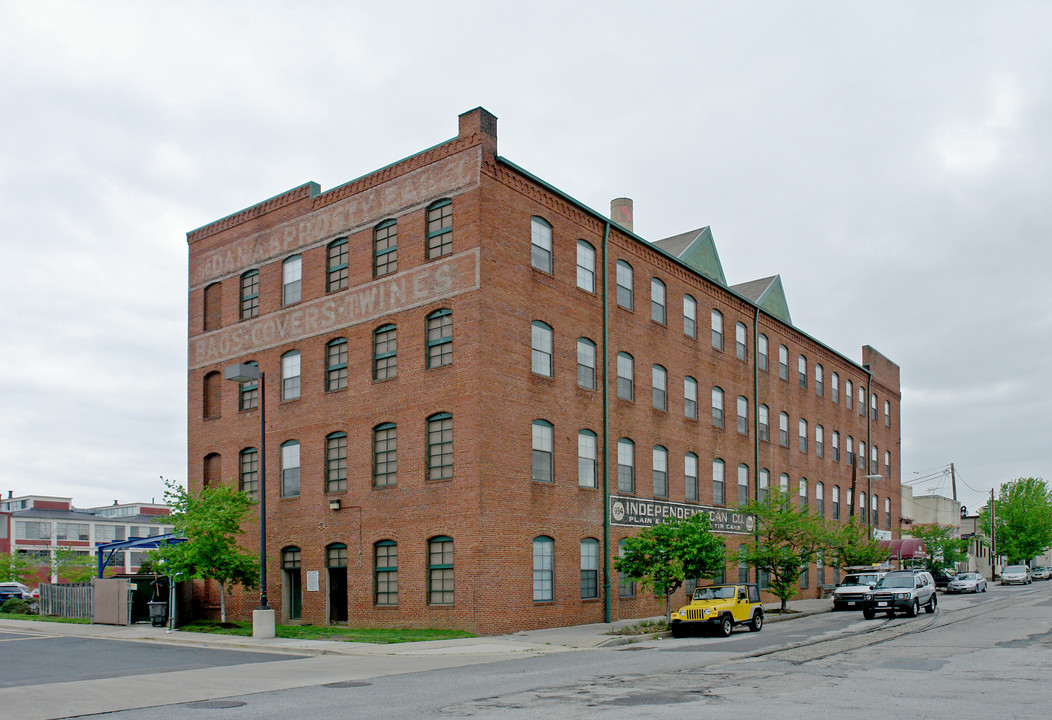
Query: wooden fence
[[69, 600]]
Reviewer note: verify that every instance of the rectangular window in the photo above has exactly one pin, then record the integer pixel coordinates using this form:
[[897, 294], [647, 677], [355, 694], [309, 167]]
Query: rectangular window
[[717, 329], [440, 447], [690, 398], [587, 455], [625, 383], [717, 482], [543, 570], [741, 349], [385, 352], [657, 301], [79, 531], [626, 481], [250, 294], [660, 472], [336, 365], [290, 469], [624, 285], [386, 563], [690, 474], [585, 364], [783, 362], [690, 316], [589, 569], [291, 280], [336, 462], [659, 385], [337, 277], [290, 375]]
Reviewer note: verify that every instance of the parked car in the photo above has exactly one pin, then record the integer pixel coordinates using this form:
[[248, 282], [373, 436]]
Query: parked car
[[1016, 575], [10, 590], [1041, 573], [852, 589], [901, 591], [720, 608], [941, 579], [971, 582]]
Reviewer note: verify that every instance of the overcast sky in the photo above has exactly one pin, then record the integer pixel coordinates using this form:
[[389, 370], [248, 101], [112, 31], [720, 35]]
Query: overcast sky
[[891, 161]]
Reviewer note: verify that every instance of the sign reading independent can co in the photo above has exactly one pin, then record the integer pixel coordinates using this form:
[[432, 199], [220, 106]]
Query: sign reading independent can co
[[638, 512]]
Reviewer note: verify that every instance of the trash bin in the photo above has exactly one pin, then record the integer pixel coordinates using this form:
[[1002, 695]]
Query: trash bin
[[158, 613]]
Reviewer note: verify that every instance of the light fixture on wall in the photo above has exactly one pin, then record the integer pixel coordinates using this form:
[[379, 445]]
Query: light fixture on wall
[[334, 504]]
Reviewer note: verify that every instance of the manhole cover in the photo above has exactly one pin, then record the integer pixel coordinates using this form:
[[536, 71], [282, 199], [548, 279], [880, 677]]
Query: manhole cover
[[214, 704], [347, 684]]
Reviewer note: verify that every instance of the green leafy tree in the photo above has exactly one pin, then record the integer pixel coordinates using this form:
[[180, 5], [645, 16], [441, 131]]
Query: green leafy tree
[[72, 566], [942, 549], [15, 567], [662, 556], [786, 541], [211, 523], [849, 544], [1022, 518]]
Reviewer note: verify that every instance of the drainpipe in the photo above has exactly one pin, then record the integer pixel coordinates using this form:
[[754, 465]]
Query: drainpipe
[[756, 402], [869, 446], [606, 434]]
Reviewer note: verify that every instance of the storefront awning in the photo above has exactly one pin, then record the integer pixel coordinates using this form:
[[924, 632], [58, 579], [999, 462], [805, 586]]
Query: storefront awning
[[905, 548]]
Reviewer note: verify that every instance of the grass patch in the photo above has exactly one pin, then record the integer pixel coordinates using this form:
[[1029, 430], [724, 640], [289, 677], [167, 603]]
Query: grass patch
[[643, 627], [339, 633], [44, 618]]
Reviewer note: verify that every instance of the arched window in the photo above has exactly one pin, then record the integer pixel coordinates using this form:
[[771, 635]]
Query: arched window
[[820, 501], [585, 363], [543, 451], [336, 566], [213, 396], [819, 384], [385, 454], [385, 248], [385, 352], [292, 280], [741, 348], [820, 446], [624, 285], [836, 446], [336, 462], [659, 383], [543, 569], [439, 338], [743, 415], [587, 459], [834, 387], [765, 485], [802, 371], [589, 569], [690, 316], [743, 484], [660, 467], [248, 392], [336, 271], [290, 469], [290, 375], [585, 266], [717, 407], [690, 475], [717, 329], [718, 494], [783, 362], [249, 305], [213, 309], [762, 352], [626, 587], [783, 429], [625, 382], [541, 345], [440, 570], [440, 447], [336, 364], [248, 472], [213, 469], [439, 228], [657, 301], [385, 572], [626, 466], [803, 493], [803, 435], [836, 502], [541, 244], [690, 397], [764, 423], [847, 393]]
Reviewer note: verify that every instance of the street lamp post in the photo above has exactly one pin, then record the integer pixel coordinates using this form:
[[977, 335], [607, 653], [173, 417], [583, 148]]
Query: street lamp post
[[263, 616]]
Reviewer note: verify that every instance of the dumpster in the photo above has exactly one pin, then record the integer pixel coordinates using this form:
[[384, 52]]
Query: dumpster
[[158, 613]]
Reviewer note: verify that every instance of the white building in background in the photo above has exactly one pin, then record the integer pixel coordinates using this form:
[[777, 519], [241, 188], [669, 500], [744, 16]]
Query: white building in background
[[37, 525]]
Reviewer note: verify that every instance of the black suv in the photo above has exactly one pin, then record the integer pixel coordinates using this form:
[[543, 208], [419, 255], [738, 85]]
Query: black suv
[[901, 591]]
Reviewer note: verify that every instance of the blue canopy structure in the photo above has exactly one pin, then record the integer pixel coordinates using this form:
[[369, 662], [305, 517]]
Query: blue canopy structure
[[151, 543]]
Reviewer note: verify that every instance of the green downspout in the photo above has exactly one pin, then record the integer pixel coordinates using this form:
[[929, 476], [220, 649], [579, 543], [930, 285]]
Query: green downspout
[[756, 401], [606, 436], [869, 448]]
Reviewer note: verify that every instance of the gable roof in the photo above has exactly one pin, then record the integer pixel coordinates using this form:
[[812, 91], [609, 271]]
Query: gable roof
[[697, 249], [767, 293]]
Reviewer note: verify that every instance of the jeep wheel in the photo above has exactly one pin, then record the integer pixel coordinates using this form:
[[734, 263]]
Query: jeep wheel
[[757, 621], [914, 609], [678, 630], [726, 625], [838, 605], [868, 613], [930, 607]]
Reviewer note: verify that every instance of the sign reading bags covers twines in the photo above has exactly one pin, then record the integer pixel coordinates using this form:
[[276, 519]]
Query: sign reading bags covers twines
[[637, 512]]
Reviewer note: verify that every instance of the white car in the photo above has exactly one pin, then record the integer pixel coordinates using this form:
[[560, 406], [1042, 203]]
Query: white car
[[852, 589], [971, 582], [10, 590], [1016, 575]]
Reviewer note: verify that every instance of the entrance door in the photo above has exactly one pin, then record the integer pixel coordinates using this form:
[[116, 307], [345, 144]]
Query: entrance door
[[336, 561], [293, 590]]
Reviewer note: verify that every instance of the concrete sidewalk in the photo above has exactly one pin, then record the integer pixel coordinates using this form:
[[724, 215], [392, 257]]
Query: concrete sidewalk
[[548, 640]]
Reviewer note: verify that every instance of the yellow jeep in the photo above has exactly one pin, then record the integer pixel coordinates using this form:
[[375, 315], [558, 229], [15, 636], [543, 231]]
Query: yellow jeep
[[720, 608]]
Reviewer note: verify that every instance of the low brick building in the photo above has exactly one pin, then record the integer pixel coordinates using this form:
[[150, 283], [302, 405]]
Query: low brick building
[[477, 387]]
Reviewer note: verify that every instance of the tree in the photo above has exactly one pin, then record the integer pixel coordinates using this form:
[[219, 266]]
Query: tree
[[943, 550], [211, 522], [786, 540], [15, 567], [1022, 519], [72, 566], [850, 544], [662, 556]]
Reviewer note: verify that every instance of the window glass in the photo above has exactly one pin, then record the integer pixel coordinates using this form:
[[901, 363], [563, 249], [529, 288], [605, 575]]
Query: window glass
[[385, 562], [586, 363], [743, 415], [385, 352], [657, 301], [585, 266], [589, 569], [802, 368], [741, 350], [717, 407], [249, 294], [625, 382], [690, 474], [385, 455], [690, 316], [803, 436], [337, 277], [440, 447], [834, 387], [248, 392], [743, 484], [290, 375], [626, 588], [587, 459], [659, 382], [660, 466], [290, 469], [690, 398], [439, 338], [291, 280], [541, 346], [783, 429], [762, 352], [717, 329], [543, 451], [439, 229], [541, 245], [336, 462], [783, 362], [717, 482], [440, 571], [624, 284], [819, 386], [336, 364], [543, 569], [764, 427], [385, 248], [248, 472]]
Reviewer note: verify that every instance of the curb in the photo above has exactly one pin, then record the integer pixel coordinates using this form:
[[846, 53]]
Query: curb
[[767, 617]]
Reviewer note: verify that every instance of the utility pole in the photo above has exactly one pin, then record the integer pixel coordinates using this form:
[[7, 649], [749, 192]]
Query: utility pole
[[993, 537], [953, 480]]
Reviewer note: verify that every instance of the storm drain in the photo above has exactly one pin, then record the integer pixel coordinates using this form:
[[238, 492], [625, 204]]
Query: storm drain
[[214, 704], [346, 684]]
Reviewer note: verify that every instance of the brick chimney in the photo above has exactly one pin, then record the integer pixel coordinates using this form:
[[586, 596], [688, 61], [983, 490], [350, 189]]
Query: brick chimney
[[482, 123]]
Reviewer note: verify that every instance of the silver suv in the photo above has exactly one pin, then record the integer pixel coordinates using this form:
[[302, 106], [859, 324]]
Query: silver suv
[[901, 591], [851, 591]]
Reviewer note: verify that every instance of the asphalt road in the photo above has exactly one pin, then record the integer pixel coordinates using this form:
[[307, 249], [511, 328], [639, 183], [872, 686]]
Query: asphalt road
[[978, 656], [37, 659]]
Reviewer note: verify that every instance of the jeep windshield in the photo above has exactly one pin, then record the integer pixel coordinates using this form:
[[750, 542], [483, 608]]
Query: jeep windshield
[[859, 580], [714, 593], [903, 581]]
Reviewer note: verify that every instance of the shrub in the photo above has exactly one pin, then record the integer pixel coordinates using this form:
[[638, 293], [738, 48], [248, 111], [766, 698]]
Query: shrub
[[17, 606]]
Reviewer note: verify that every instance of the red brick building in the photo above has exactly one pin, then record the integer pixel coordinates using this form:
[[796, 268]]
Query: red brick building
[[476, 387]]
